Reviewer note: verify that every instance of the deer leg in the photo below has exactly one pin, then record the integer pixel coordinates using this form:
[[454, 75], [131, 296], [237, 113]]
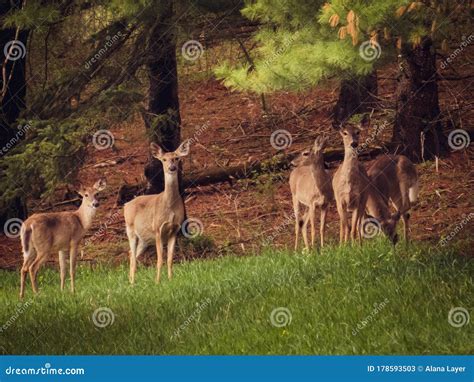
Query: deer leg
[[304, 229], [133, 242], [34, 268], [72, 264], [322, 223], [296, 210], [312, 216], [355, 218], [170, 252], [405, 219], [62, 267], [159, 256], [28, 259], [343, 228]]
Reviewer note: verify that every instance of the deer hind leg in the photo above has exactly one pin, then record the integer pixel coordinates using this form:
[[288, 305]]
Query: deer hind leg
[[322, 227], [28, 259], [72, 264], [133, 243], [296, 210], [62, 267], [34, 268]]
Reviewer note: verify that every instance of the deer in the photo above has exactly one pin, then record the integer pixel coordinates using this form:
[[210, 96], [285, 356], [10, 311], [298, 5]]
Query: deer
[[310, 185], [393, 179], [61, 232], [156, 219], [350, 184]]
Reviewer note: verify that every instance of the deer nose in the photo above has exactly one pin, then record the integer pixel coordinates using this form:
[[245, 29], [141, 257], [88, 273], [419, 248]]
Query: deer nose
[[95, 204], [173, 167], [354, 144]]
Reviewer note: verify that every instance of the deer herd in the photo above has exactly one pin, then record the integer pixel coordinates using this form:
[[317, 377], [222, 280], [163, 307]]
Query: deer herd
[[156, 219]]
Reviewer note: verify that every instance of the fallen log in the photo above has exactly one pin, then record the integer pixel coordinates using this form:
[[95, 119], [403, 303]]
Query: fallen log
[[229, 174]]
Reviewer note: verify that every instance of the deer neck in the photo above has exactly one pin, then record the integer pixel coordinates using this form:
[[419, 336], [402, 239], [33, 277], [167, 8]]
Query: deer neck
[[171, 192], [350, 159], [86, 214], [376, 206], [317, 168]]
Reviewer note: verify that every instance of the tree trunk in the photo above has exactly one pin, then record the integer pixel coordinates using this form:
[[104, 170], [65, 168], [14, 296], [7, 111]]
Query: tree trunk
[[12, 101], [162, 118], [356, 95], [417, 130]]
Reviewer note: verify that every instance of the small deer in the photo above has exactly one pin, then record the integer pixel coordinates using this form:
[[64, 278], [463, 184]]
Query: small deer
[[350, 185], [310, 185], [156, 219], [393, 178], [44, 233]]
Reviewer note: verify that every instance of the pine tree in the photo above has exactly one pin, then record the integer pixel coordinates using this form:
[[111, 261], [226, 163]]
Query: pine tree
[[304, 42]]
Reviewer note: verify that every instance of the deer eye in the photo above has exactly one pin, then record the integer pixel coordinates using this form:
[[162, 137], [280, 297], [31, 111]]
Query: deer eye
[[344, 133], [306, 153], [164, 159], [357, 132]]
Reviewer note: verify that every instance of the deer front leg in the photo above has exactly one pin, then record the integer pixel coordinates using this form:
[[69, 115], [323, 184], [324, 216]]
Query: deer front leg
[[170, 254], [62, 267], [159, 256], [296, 209], [72, 264], [322, 223], [312, 213]]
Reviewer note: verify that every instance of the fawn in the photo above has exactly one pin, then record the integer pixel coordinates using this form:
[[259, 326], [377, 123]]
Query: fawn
[[393, 178], [44, 233], [157, 219], [350, 185], [311, 186]]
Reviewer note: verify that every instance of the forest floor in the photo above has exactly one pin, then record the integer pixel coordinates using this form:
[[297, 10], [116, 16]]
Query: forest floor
[[231, 129]]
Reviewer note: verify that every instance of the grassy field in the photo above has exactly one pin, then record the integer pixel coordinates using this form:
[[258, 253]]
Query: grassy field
[[343, 301]]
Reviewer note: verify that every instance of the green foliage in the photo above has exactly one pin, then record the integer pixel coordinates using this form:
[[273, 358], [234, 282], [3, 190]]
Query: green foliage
[[224, 306], [50, 156], [304, 42], [33, 15]]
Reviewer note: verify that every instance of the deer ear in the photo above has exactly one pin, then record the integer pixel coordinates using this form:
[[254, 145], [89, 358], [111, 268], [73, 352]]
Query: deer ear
[[100, 184], [156, 151], [183, 148], [80, 189], [365, 121]]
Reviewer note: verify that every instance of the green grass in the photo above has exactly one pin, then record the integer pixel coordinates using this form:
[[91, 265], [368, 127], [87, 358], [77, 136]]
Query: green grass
[[345, 301]]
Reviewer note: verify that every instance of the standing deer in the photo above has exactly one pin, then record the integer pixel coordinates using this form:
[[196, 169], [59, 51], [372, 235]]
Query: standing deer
[[393, 178], [44, 233], [350, 185], [310, 185], [157, 219]]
